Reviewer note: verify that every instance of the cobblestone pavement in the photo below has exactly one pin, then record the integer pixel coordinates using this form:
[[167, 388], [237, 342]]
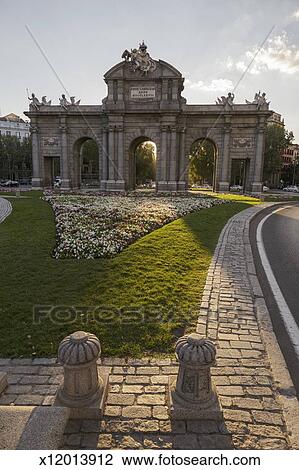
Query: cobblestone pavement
[[5, 209], [136, 413]]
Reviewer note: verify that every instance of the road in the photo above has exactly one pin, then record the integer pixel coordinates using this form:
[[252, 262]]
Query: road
[[278, 271]]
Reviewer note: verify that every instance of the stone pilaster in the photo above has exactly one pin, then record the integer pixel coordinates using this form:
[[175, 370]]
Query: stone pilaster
[[104, 162], [257, 183], [36, 167], [120, 183], [162, 182], [64, 170], [224, 183], [111, 158], [172, 183], [181, 186]]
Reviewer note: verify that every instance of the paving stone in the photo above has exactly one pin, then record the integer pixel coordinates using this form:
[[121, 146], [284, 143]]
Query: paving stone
[[73, 426], [18, 389], [8, 399], [45, 389], [44, 361], [215, 442], [136, 411], [73, 440], [147, 370], [232, 390], [265, 431], [155, 389], [130, 442], [104, 441], [159, 379], [242, 380], [248, 403], [186, 441], [154, 399], [14, 379], [21, 361], [29, 400], [132, 389], [123, 370], [157, 442], [273, 444], [267, 417], [114, 388], [259, 391], [90, 425], [137, 379], [49, 400], [90, 441], [120, 399], [113, 411], [173, 426], [116, 379], [34, 379], [202, 426], [160, 412], [237, 415]]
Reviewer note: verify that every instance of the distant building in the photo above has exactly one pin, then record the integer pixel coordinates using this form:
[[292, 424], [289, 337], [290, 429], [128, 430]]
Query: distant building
[[14, 125], [275, 118], [290, 155]]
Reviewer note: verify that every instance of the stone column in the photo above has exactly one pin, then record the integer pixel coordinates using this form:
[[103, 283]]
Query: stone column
[[172, 183], [162, 183], [104, 159], [36, 167], [224, 183], [192, 395], [84, 390], [181, 186], [120, 183], [111, 161], [64, 169], [257, 184]]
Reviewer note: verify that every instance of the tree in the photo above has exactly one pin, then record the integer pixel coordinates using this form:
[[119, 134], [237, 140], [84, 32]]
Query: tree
[[145, 155], [202, 158], [15, 158], [277, 140]]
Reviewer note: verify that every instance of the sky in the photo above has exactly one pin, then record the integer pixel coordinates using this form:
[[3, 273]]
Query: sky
[[211, 42]]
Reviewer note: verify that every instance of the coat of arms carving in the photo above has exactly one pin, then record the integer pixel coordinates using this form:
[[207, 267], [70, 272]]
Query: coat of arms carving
[[140, 59]]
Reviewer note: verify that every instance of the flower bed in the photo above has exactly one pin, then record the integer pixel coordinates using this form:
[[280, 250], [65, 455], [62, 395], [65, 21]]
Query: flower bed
[[103, 225]]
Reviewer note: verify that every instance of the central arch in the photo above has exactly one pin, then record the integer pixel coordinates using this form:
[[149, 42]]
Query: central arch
[[86, 163], [142, 164], [202, 163]]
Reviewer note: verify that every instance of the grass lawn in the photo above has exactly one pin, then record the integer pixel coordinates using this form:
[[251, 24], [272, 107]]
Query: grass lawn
[[136, 302]]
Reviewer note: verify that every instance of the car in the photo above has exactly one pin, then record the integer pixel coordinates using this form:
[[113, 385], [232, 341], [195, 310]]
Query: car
[[236, 187], [57, 182], [10, 184], [292, 189]]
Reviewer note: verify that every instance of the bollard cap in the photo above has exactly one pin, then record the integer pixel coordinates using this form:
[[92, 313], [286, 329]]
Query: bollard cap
[[79, 348], [195, 350]]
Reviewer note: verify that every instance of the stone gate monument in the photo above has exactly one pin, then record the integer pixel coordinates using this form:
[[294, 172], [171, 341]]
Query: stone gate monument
[[144, 102]]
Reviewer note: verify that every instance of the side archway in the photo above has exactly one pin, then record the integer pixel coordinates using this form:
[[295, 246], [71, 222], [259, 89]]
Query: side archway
[[202, 163], [86, 163]]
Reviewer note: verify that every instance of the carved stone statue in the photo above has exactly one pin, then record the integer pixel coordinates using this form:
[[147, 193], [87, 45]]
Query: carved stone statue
[[45, 102], [74, 102], [35, 103], [140, 59], [260, 101], [64, 102], [226, 100]]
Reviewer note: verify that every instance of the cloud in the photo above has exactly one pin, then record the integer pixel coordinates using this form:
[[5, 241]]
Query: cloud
[[296, 15], [217, 84], [279, 55]]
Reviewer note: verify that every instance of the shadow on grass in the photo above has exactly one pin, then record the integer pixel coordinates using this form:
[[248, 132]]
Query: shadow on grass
[[136, 302]]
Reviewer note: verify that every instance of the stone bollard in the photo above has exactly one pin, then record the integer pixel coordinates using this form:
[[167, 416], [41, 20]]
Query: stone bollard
[[84, 389], [191, 394]]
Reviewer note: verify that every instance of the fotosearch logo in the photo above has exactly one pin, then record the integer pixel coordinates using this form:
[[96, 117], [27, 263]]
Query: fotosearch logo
[[103, 314]]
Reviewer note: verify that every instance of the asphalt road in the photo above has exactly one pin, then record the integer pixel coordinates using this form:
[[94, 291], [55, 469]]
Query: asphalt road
[[280, 234]]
